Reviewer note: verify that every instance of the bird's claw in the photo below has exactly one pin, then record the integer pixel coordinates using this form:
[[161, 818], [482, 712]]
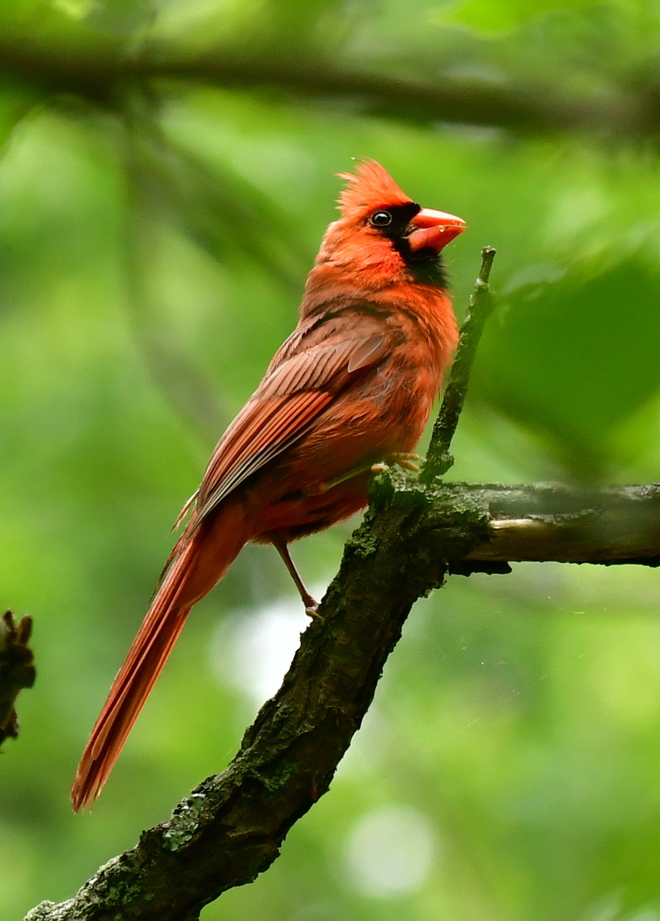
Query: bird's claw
[[409, 462], [312, 610]]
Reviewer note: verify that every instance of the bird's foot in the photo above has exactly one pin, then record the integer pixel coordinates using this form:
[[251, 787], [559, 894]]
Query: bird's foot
[[409, 462]]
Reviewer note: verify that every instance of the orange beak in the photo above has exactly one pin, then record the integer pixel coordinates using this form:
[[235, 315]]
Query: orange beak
[[435, 229]]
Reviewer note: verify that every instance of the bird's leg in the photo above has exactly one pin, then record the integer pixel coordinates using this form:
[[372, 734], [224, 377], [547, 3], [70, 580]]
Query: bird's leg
[[311, 606]]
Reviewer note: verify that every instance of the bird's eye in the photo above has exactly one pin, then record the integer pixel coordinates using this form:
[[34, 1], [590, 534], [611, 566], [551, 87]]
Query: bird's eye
[[381, 219]]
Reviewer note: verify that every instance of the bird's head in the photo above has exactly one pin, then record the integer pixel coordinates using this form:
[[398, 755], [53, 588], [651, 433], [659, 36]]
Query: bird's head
[[384, 235]]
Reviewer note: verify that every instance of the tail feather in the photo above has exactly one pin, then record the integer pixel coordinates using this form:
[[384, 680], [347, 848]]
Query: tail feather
[[193, 573]]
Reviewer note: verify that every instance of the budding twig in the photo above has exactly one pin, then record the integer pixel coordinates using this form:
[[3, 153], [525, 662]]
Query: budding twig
[[438, 458]]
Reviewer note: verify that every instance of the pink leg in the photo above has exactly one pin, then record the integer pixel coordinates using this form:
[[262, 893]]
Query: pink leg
[[311, 606]]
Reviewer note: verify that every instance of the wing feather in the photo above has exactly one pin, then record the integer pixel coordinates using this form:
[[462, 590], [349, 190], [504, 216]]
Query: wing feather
[[289, 400], [272, 429]]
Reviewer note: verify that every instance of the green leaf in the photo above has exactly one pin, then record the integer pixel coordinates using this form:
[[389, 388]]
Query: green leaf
[[575, 359]]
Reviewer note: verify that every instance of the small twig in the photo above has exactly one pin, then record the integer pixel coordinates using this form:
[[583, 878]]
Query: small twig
[[438, 458], [16, 670]]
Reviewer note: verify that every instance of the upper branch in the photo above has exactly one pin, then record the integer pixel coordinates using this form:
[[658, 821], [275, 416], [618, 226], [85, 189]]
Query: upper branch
[[102, 71]]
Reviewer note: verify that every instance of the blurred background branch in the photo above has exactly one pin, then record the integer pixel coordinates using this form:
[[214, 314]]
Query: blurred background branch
[[103, 72]]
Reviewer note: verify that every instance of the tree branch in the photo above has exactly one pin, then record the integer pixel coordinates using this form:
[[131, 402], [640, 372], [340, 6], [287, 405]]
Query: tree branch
[[102, 71], [232, 826], [545, 522]]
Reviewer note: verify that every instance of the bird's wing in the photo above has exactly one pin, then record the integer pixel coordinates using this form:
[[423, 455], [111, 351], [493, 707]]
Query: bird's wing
[[289, 399]]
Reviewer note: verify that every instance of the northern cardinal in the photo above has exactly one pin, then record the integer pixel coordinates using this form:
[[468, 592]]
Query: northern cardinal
[[350, 388]]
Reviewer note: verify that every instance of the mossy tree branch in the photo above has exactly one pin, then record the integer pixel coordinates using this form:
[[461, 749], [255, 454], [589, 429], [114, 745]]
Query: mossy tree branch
[[232, 826]]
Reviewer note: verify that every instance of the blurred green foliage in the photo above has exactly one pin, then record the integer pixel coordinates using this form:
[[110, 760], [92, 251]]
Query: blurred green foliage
[[154, 240]]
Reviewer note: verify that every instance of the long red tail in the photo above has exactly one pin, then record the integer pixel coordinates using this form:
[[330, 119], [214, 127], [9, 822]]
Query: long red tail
[[201, 562]]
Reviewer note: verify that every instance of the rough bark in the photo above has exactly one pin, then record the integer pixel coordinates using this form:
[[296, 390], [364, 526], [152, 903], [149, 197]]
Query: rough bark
[[232, 826]]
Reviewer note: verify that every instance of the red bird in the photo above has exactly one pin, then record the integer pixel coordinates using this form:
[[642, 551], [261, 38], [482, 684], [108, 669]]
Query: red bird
[[351, 387]]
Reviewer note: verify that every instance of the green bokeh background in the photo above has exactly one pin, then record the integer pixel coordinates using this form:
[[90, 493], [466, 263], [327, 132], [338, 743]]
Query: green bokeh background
[[152, 255]]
